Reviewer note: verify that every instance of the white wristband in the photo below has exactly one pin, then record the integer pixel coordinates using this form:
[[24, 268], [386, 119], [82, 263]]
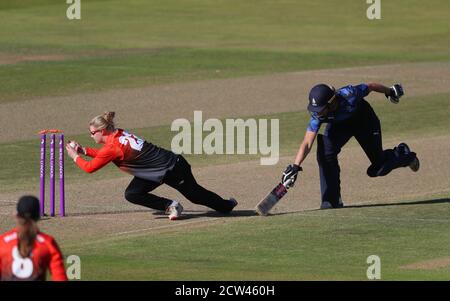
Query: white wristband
[[75, 158]]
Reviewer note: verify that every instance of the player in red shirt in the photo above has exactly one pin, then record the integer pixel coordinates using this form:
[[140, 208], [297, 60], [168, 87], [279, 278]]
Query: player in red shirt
[[25, 252], [150, 165]]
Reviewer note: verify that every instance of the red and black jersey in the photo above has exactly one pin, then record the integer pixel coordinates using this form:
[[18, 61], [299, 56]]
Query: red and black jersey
[[44, 256], [132, 155]]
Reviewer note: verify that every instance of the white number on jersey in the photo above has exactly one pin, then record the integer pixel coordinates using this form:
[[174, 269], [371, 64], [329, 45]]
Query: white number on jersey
[[136, 143], [22, 267]]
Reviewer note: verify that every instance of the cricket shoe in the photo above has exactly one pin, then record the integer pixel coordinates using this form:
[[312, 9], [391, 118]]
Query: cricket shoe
[[174, 210], [415, 164], [403, 149], [328, 205], [233, 203]]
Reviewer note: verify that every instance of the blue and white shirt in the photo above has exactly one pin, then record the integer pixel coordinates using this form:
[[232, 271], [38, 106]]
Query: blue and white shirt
[[349, 98]]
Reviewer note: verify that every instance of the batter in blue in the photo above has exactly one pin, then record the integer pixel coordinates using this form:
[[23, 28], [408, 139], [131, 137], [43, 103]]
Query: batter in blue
[[347, 114]]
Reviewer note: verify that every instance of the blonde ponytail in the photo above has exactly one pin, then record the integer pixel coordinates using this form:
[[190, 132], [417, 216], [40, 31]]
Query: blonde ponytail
[[105, 121]]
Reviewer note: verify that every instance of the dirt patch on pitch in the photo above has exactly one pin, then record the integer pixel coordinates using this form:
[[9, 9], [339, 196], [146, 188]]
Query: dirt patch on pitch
[[11, 59], [433, 264], [160, 105]]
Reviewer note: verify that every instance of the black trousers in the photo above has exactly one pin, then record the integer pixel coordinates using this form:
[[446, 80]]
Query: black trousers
[[180, 178], [365, 127]]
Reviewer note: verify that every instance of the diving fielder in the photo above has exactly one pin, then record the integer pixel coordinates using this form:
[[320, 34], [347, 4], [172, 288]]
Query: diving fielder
[[150, 165]]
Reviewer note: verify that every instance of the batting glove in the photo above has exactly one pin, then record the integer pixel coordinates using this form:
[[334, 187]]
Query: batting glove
[[395, 92], [290, 175]]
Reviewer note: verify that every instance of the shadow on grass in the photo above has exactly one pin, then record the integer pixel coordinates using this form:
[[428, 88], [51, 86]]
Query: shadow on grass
[[425, 202], [190, 214], [161, 214]]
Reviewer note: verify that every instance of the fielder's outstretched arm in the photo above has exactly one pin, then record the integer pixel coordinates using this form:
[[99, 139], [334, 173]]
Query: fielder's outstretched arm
[[305, 147]]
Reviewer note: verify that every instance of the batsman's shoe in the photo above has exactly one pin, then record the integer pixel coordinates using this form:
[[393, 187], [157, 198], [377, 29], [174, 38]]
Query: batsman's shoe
[[403, 148], [328, 205], [415, 164], [174, 211], [233, 203]]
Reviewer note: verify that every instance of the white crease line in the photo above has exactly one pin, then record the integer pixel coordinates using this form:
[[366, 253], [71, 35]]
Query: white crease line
[[163, 227], [105, 207], [115, 236], [91, 206], [406, 200], [95, 217], [8, 202]]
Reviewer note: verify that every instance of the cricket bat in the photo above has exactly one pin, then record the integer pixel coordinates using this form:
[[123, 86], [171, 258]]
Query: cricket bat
[[272, 198]]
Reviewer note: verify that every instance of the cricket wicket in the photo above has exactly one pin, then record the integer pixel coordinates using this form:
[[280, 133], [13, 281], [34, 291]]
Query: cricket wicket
[[52, 133]]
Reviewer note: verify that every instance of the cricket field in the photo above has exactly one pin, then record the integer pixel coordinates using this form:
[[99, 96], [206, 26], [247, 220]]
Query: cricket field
[[153, 62]]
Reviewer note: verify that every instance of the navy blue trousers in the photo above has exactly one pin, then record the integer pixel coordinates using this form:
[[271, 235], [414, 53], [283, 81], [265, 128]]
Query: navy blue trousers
[[365, 127]]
